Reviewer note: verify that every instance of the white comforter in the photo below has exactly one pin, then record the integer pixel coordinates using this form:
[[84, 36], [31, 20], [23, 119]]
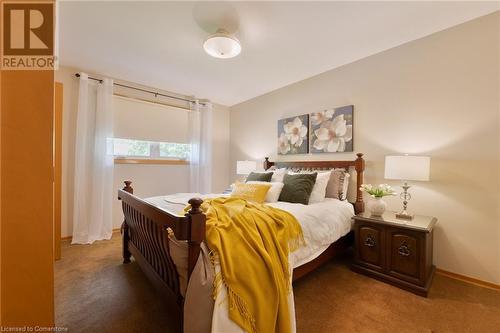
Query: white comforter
[[322, 224]]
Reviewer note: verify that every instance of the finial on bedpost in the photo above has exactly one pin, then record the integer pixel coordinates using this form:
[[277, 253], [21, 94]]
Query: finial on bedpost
[[127, 187], [267, 164], [359, 205], [195, 205]]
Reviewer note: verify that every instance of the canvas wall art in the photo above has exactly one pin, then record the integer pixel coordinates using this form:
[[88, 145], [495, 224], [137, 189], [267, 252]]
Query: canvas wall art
[[331, 130], [293, 135]]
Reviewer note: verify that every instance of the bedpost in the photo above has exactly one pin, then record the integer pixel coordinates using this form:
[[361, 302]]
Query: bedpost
[[197, 232], [127, 187], [359, 205], [267, 164], [125, 232]]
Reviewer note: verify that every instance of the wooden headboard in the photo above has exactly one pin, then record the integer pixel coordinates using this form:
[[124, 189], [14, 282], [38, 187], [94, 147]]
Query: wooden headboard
[[358, 164]]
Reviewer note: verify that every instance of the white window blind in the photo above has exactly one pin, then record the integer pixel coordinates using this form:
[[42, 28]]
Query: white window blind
[[148, 130]]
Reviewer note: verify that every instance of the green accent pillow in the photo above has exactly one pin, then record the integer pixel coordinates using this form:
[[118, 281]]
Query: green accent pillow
[[259, 177], [298, 188]]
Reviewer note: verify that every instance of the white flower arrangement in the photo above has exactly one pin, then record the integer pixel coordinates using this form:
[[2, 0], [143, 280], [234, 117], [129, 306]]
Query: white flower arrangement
[[378, 191]]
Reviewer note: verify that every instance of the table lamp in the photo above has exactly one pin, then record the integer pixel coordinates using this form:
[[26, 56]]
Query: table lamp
[[407, 168]]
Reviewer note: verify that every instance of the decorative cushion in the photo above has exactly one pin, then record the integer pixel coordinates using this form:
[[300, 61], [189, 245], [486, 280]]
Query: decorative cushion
[[319, 190], [338, 184], [259, 176], [297, 188], [345, 186], [251, 192], [274, 192]]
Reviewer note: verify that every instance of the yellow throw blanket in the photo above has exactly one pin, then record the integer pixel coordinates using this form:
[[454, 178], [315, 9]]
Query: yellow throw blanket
[[252, 243]]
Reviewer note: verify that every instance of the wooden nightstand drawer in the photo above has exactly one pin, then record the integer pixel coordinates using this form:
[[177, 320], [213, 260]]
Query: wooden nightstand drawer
[[370, 242], [404, 255]]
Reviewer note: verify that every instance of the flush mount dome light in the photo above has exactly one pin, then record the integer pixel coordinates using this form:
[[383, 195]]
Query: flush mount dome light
[[222, 45]]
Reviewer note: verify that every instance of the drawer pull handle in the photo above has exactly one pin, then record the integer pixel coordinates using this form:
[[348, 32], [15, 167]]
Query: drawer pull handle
[[404, 250], [369, 241]]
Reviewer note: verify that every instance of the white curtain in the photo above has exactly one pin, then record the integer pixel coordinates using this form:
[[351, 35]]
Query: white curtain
[[93, 193], [200, 132]]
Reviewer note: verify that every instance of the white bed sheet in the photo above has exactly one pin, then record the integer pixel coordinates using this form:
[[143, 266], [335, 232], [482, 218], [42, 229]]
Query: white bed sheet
[[322, 224]]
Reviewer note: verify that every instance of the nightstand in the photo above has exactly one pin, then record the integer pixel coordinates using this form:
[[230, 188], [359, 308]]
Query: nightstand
[[394, 250]]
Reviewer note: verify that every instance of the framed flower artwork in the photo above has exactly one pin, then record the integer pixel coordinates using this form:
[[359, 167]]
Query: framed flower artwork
[[293, 135], [331, 130]]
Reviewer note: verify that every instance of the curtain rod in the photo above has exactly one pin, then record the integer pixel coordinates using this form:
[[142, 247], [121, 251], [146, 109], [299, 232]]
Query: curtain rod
[[144, 90], [152, 102]]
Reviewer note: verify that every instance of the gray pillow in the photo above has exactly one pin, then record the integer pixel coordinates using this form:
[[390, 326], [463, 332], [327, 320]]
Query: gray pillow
[[336, 186], [297, 188], [259, 177]]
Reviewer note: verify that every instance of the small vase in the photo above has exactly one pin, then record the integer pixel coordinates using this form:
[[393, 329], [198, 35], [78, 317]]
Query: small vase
[[377, 206]]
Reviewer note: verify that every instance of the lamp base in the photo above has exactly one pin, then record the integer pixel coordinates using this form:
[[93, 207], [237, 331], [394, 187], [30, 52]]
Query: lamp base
[[404, 215], [405, 196]]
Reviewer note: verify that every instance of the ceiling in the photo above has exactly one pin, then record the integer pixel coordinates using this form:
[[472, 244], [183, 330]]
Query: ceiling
[[160, 43]]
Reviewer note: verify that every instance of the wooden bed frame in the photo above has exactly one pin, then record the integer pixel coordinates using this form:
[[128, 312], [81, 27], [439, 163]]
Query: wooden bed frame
[[145, 234]]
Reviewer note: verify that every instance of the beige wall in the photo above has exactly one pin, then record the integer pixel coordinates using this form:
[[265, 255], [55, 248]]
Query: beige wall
[[148, 180], [220, 167], [437, 96]]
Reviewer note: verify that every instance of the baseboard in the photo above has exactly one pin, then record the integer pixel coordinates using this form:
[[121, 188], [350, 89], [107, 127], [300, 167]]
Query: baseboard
[[65, 238], [468, 279]]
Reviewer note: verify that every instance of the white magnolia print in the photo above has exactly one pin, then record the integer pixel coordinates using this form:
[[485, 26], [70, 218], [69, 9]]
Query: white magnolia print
[[283, 144], [293, 135], [331, 132], [295, 131], [319, 117]]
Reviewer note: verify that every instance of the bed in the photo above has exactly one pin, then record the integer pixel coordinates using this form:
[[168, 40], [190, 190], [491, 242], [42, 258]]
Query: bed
[[147, 224]]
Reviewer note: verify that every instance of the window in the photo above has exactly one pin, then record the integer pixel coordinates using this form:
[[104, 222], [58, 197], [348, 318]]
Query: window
[[132, 148], [150, 133], [175, 150], [150, 149]]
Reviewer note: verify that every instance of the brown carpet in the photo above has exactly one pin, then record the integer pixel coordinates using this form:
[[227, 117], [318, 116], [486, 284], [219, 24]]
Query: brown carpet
[[96, 293]]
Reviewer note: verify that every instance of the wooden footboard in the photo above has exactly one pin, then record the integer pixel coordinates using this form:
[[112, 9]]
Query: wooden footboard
[[145, 237]]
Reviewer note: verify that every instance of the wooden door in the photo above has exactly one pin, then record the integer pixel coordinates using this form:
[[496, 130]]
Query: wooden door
[[58, 112], [370, 242], [404, 255]]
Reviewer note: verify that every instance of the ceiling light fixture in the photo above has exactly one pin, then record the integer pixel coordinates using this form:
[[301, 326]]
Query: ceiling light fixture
[[222, 45]]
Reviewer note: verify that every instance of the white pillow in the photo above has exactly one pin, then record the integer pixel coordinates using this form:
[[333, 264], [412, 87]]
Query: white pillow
[[319, 190], [274, 192], [278, 175]]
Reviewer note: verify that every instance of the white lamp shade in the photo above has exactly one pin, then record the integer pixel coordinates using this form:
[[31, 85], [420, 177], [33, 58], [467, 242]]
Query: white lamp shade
[[407, 167], [245, 167]]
